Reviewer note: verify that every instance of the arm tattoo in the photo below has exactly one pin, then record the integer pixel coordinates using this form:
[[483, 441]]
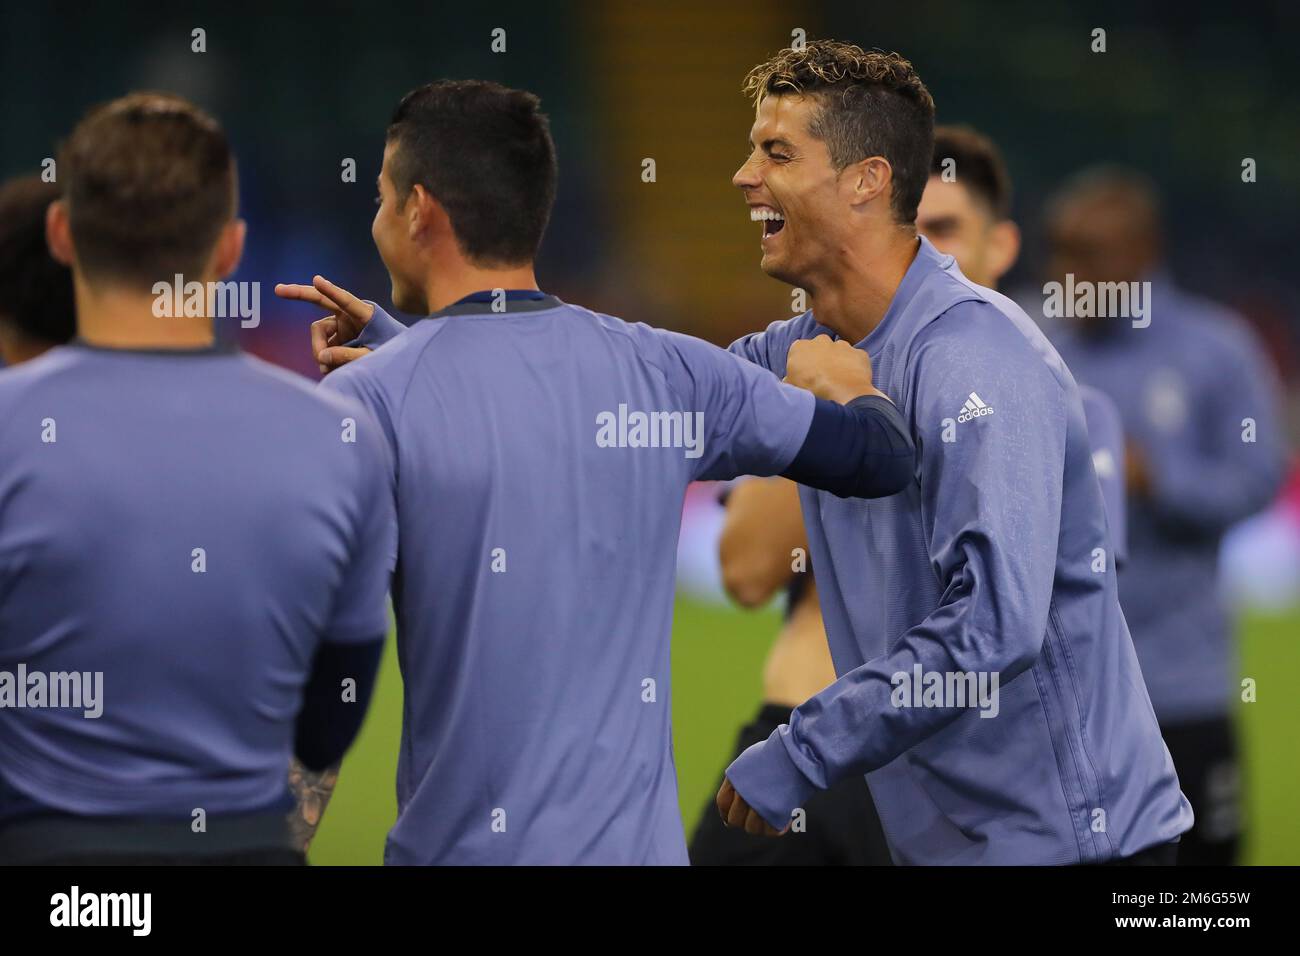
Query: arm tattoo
[[312, 792]]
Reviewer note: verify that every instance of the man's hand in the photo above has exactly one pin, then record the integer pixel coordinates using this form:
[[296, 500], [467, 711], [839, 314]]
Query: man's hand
[[833, 370], [348, 317], [312, 792], [737, 813]]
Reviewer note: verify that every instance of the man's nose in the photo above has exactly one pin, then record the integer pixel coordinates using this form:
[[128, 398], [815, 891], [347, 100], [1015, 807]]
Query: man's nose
[[746, 176]]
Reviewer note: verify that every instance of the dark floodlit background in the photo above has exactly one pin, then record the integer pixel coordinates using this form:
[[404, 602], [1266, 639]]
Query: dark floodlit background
[[1185, 92]]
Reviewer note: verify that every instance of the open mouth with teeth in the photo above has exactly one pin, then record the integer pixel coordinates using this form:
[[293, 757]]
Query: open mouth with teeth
[[773, 221]]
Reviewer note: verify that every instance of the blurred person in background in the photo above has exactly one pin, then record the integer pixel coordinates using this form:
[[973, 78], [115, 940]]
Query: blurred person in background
[[1199, 406], [36, 306], [965, 212]]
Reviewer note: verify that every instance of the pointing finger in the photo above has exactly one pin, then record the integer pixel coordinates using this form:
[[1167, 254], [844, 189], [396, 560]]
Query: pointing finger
[[347, 302], [304, 293]]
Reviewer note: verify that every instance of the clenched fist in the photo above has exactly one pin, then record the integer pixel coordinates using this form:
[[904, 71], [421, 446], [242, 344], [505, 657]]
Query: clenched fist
[[830, 369], [736, 812]]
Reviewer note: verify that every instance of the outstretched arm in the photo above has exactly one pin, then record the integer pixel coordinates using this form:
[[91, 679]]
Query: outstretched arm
[[835, 431]]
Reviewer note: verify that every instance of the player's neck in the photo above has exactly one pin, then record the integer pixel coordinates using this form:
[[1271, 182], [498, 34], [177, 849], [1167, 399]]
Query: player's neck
[[452, 285], [853, 299], [125, 318]]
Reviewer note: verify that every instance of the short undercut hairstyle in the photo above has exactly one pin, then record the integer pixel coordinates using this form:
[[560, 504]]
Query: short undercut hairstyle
[[485, 153], [977, 165], [36, 297], [150, 183], [869, 104]]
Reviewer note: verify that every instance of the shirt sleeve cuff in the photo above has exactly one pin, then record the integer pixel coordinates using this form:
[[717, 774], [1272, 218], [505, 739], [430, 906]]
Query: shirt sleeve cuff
[[381, 328], [769, 780]]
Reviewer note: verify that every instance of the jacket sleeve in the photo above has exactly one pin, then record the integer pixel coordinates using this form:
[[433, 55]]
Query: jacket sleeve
[[769, 348], [381, 328], [749, 422]]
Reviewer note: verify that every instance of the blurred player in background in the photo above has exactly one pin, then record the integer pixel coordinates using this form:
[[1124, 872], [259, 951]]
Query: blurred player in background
[[36, 307], [537, 532], [965, 213], [1199, 407], [194, 553], [986, 566]]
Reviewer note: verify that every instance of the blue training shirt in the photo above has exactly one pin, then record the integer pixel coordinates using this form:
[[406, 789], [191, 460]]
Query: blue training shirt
[[191, 525], [542, 457]]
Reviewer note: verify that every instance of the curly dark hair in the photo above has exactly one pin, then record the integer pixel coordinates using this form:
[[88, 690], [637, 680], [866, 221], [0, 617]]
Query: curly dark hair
[[870, 104]]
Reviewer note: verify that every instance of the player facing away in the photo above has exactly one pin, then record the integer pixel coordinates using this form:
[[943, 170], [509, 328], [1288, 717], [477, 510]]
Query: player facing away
[[542, 453], [965, 212], [988, 686], [36, 307], [194, 552], [1199, 404]]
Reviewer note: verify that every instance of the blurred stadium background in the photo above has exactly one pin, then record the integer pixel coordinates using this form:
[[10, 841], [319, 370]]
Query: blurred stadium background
[[1184, 92]]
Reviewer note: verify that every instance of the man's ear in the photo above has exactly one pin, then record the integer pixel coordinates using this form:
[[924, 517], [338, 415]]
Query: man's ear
[[1003, 248], [424, 214], [230, 249], [58, 233], [870, 179]]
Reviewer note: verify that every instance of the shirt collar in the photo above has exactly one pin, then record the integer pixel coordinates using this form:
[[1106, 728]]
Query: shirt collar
[[218, 347], [511, 295], [517, 300]]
